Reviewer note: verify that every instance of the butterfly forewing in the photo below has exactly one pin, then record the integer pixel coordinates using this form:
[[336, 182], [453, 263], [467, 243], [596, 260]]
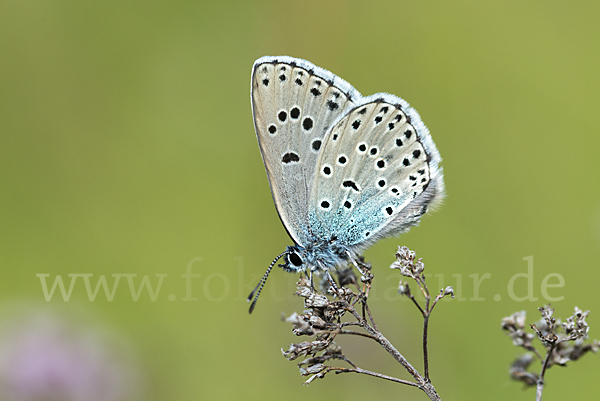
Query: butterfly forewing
[[373, 174], [294, 105]]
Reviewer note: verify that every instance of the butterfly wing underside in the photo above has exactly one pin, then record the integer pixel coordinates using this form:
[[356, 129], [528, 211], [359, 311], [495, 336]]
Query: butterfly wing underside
[[377, 174], [294, 104]]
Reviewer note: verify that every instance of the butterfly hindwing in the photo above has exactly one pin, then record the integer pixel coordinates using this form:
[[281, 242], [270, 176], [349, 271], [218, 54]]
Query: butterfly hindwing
[[294, 105], [377, 174]]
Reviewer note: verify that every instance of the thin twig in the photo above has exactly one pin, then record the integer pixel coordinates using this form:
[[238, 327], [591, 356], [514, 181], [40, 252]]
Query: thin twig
[[358, 333], [374, 374], [370, 315], [425, 352], [412, 297], [344, 324], [435, 301], [424, 384], [540, 382]]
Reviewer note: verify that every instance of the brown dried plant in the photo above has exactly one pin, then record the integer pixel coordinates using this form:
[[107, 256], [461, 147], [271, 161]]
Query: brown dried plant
[[345, 311], [562, 342]]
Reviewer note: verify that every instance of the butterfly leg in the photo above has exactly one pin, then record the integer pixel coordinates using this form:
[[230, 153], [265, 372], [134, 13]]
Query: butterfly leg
[[355, 263], [332, 282]]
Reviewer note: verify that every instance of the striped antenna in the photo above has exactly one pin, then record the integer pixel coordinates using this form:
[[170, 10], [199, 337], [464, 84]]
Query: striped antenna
[[261, 283]]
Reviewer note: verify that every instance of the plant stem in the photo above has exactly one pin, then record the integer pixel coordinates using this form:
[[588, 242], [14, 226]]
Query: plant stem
[[423, 383], [379, 375], [425, 353], [540, 382]]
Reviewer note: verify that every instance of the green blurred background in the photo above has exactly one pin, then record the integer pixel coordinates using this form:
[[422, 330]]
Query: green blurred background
[[127, 147]]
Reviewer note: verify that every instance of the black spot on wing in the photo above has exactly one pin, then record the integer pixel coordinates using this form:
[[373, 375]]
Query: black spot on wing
[[351, 184], [295, 113], [290, 157], [307, 124]]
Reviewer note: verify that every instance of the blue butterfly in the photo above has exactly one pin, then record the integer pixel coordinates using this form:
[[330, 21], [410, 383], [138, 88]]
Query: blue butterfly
[[344, 170]]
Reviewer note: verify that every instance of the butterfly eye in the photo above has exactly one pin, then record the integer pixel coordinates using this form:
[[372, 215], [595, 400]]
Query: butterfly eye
[[295, 259]]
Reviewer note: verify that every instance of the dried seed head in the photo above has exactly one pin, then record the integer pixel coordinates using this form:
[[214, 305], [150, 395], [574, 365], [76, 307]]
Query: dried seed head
[[403, 288], [405, 262]]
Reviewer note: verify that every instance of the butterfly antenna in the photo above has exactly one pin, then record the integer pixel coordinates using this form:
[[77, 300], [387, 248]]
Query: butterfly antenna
[[261, 283]]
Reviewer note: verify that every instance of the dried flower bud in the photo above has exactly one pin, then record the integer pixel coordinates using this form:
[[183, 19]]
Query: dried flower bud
[[313, 377], [304, 348], [449, 291], [547, 313], [346, 276], [333, 349], [301, 324], [576, 327], [418, 267], [518, 370], [515, 326], [316, 301], [317, 322], [403, 288], [549, 339], [405, 262], [311, 370]]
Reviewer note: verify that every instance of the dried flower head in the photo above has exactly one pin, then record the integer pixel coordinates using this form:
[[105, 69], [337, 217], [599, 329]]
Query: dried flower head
[[518, 370], [576, 328], [405, 262], [403, 288], [341, 311], [563, 342], [514, 325]]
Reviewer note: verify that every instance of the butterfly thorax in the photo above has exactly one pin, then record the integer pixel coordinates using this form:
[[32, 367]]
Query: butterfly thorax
[[316, 257]]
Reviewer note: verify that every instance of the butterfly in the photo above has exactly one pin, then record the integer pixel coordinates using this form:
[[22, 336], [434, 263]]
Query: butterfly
[[344, 170]]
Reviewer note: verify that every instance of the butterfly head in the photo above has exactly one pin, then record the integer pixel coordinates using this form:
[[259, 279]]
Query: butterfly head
[[295, 259], [317, 257]]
